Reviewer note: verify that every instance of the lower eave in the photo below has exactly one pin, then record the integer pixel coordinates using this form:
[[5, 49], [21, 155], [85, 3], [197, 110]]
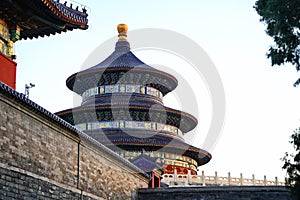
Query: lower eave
[[201, 157], [117, 140]]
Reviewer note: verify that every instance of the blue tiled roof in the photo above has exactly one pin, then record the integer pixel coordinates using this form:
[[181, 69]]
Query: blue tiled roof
[[147, 163], [122, 57], [121, 61]]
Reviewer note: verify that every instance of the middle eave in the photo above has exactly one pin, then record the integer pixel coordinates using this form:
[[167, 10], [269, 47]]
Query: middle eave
[[84, 114]]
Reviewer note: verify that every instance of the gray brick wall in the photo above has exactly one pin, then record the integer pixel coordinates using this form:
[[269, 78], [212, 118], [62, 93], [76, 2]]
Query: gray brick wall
[[42, 157], [16, 185]]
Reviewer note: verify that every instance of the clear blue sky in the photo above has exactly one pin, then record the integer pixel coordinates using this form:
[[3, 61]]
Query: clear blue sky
[[261, 103]]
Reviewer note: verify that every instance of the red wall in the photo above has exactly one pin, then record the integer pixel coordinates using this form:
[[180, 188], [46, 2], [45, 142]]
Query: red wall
[[7, 71]]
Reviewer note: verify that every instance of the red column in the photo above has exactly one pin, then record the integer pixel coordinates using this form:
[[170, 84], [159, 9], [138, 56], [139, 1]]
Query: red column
[[8, 71], [152, 180], [157, 181]]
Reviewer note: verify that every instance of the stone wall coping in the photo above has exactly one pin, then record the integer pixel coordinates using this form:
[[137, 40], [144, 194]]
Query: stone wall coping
[[23, 100]]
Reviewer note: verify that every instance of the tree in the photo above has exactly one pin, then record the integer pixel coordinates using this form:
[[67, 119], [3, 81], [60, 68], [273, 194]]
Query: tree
[[282, 18], [292, 164]]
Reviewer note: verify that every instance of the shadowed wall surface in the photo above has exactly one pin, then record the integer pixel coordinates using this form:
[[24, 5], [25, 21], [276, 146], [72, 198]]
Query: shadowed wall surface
[[217, 193]]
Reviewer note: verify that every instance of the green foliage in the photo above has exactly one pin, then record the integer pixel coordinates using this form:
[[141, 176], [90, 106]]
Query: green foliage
[[282, 18], [292, 164]]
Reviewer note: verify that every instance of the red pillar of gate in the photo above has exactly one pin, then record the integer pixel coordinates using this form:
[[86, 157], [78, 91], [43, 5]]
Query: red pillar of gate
[[8, 71]]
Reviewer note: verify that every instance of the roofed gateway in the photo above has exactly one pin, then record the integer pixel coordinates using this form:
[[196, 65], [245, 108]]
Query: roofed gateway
[[122, 108], [28, 19]]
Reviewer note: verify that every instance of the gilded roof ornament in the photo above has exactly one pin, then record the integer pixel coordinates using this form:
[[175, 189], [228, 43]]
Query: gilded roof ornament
[[122, 30]]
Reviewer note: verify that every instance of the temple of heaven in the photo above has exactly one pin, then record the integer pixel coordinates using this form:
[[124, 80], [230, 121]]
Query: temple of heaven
[[122, 108]]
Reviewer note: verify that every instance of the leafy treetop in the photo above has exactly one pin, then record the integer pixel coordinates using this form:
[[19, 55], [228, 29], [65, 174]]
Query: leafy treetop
[[282, 18]]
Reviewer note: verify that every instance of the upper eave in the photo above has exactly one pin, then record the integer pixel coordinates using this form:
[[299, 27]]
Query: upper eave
[[162, 81]]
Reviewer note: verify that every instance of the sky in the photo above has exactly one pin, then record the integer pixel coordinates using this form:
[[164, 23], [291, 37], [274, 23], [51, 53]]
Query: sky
[[261, 102]]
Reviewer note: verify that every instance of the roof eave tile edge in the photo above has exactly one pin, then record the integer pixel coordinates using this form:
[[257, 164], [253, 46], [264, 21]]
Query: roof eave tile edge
[[53, 7], [6, 90]]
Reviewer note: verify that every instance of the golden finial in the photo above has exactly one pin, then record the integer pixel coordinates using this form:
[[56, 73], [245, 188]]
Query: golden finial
[[122, 44], [122, 28]]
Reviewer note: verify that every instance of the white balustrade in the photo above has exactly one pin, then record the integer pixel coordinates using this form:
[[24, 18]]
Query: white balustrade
[[203, 180]]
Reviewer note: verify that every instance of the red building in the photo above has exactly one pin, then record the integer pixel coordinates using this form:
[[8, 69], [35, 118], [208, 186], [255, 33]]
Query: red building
[[28, 19]]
